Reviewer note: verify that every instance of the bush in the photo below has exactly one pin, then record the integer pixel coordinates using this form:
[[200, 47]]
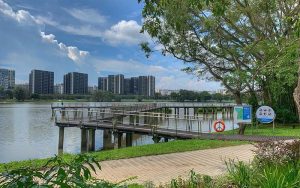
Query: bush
[[57, 173], [280, 152]]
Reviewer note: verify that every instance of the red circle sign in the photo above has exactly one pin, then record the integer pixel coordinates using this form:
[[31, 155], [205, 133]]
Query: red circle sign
[[219, 126]]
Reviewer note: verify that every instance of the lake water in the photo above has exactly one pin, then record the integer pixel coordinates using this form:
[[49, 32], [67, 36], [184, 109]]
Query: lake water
[[27, 132]]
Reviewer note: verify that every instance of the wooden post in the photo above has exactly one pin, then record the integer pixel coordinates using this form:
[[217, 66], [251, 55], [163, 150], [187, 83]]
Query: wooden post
[[107, 139], [83, 140], [91, 140], [117, 140], [61, 140], [128, 139]]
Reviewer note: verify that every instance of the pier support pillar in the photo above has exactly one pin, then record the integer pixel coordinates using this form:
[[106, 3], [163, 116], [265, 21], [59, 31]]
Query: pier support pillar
[[83, 140], [61, 140], [63, 113], [91, 143], [117, 140], [128, 139], [107, 139]]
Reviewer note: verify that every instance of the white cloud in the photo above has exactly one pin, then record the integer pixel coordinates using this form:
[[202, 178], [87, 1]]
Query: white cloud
[[22, 16], [72, 52], [87, 15], [25, 17], [122, 33], [125, 32], [83, 30]]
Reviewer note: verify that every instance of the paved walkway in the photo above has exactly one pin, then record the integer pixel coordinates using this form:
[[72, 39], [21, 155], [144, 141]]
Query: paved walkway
[[160, 169]]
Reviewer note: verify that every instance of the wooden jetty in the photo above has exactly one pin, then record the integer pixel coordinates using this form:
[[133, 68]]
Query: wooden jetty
[[109, 117]]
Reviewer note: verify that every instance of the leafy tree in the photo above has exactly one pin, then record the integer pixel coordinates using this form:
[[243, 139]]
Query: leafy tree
[[251, 45], [9, 94], [36, 96], [100, 96], [204, 96], [19, 94], [218, 97]]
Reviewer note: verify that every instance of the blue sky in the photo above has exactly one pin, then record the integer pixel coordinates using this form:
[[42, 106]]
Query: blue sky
[[94, 37]]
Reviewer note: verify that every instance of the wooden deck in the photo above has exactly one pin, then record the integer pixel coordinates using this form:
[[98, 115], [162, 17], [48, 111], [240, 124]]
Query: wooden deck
[[168, 133]]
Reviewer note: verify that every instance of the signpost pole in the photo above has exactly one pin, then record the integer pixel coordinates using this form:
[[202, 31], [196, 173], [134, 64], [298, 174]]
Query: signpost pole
[[273, 126]]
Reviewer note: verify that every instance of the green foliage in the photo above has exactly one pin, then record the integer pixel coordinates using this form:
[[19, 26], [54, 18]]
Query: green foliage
[[239, 173], [20, 94], [203, 96], [101, 96], [249, 46], [35, 96], [57, 173]]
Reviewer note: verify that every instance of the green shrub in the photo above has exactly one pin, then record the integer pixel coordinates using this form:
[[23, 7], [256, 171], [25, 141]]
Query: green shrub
[[239, 173], [56, 173]]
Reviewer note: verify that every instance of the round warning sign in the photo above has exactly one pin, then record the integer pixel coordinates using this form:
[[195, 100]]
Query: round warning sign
[[265, 114]]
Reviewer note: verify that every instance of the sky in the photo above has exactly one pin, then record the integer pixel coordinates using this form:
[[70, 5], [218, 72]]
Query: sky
[[91, 36]]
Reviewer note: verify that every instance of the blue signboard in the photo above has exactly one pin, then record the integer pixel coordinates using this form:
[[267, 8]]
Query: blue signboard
[[243, 114]]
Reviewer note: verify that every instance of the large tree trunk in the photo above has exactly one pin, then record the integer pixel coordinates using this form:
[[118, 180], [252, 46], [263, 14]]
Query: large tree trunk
[[297, 93]]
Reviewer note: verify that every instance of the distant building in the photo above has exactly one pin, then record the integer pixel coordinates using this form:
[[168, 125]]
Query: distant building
[[59, 89], [92, 89], [134, 85], [146, 86], [127, 86], [76, 83], [115, 84], [7, 78], [102, 84], [222, 91], [41, 82], [166, 92]]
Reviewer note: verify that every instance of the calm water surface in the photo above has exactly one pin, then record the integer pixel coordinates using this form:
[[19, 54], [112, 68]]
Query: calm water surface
[[27, 132]]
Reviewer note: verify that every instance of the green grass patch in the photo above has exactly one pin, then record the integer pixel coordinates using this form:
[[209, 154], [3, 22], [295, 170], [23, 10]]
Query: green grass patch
[[267, 129], [130, 152]]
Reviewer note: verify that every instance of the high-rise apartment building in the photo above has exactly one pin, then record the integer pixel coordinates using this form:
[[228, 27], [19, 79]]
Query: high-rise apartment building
[[134, 85], [41, 82], [76, 83], [102, 83], [7, 78], [146, 86], [127, 86], [117, 84]]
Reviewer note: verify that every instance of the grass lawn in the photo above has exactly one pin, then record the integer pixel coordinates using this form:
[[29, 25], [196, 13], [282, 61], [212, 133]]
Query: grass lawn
[[153, 149], [267, 129]]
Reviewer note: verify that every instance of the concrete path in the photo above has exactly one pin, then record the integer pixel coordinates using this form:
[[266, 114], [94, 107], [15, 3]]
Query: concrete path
[[160, 169]]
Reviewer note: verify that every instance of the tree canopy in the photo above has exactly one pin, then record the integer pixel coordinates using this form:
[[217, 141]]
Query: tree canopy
[[250, 46]]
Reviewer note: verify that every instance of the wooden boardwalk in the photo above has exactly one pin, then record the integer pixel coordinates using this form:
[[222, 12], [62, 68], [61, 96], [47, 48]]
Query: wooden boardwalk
[[161, 169], [169, 133], [112, 118]]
